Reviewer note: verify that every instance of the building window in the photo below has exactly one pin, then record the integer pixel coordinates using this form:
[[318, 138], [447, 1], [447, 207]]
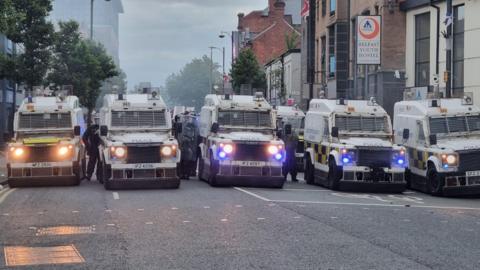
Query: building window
[[331, 51], [333, 7], [458, 49], [324, 8], [422, 50]]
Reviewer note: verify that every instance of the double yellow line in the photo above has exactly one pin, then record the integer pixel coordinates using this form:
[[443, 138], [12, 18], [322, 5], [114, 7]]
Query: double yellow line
[[4, 193]]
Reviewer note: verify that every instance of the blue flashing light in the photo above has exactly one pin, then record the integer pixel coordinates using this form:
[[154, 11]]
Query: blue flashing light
[[400, 161], [346, 160], [222, 155], [278, 156], [445, 166]]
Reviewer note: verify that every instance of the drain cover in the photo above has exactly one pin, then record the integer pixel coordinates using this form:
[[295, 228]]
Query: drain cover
[[65, 230], [21, 256]]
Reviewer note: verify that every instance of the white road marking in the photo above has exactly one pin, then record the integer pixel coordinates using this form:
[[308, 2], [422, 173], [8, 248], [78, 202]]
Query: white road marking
[[333, 217], [75, 212], [149, 223], [252, 194], [140, 210], [297, 217], [116, 196], [40, 213], [409, 192], [304, 189], [6, 214], [174, 208], [5, 193], [108, 210], [206, 207], [111, 225], [224, 220], [260, 218], [271, 204], [32, 228], [238, 206], [186, 221]]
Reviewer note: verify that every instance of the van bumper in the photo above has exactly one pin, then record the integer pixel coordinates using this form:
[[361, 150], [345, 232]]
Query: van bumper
[[250, 181]]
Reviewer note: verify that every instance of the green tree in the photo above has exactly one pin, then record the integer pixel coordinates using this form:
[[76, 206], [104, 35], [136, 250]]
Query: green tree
[[35, 33], [247, 70], [83, 64], [190, 86], [9, 16]]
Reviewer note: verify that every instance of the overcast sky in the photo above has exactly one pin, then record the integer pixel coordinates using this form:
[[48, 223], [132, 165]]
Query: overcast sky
[[158, 37]]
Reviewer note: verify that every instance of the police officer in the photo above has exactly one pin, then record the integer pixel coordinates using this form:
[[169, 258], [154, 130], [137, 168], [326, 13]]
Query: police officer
[[91, 139], [188, 145], [291, 141]]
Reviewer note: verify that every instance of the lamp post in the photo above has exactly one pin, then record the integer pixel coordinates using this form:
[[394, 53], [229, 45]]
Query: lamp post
[[211, 66], [91, 17]]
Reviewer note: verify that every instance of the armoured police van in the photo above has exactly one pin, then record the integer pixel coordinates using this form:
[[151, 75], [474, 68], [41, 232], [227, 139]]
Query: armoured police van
[[138, 149], [349, 147], [296, 118], [239, 143], [47, 149], [442, 137]]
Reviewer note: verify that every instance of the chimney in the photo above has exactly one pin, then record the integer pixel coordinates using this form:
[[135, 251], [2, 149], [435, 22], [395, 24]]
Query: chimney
[[240, 19], [278, 8]]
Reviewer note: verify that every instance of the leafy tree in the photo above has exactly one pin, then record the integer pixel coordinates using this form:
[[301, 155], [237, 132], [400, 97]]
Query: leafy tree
[[9, 16], [247, 70], [83, 64], [190, 86], [35, 33], [291, 40]]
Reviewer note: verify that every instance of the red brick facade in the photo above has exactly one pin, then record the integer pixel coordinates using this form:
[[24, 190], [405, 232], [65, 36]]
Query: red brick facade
[[268, 31]]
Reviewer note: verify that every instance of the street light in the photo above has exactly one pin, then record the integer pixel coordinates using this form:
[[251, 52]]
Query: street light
[[91, 17], [211, 66]]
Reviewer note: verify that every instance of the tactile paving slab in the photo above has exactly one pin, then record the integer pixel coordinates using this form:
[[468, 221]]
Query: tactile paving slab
[[23, 256]]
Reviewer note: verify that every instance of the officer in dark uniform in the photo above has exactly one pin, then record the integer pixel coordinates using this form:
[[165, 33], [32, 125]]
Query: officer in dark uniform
[[291, 142], [188, 140], [91, 139]]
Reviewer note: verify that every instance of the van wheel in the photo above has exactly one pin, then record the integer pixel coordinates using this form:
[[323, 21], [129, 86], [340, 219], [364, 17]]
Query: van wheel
[[334, 174], [435, 182], [99, 172], [309, 171], [212, 175], [201, 169]]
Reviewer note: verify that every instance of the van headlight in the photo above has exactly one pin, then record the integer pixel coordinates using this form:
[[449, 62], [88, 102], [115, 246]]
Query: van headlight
[[348, 156], [64, 150], [169, 150], [225, 150], [277, 151], [17, 152], [119, 152], [449, 160]]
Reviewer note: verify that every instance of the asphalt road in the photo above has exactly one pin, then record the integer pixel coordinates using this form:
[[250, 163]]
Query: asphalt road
[[199, 227]]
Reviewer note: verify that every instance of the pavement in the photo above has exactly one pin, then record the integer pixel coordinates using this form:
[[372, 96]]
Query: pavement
[[200, 227]]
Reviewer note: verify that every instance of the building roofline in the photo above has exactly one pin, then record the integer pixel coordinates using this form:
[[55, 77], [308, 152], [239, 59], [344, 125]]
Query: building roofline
[[413, 4]]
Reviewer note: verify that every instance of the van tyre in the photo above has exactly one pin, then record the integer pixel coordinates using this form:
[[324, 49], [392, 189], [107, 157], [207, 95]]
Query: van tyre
[[106, 175], [201, 169], [309, 171], [435, 181], [212, 175], [334, 174]]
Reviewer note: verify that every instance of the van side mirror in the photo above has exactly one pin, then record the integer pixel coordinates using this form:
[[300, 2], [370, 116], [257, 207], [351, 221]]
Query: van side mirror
[[433, 139], [288, 129], [77, 131], [103, 131], [335, 132], [406, 133], [215, 128]]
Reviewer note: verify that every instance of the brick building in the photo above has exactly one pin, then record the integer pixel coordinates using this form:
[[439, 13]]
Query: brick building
[[336, 70], [265, 31]]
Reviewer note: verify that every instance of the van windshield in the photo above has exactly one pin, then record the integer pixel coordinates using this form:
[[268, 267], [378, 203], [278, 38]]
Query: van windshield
[[137, 119], [347, 123], [45, 121], [454, 124], [245, 119]]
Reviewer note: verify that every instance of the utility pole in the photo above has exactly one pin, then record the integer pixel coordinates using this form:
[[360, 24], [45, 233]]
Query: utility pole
[[223, 75], [311, 50], [448, 72], [91, 19], [211, 70]]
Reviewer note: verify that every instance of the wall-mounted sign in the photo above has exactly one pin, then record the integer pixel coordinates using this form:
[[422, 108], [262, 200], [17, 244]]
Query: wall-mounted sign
[[369, 34]]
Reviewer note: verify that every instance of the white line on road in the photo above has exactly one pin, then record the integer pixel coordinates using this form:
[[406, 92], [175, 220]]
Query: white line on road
[[260, 218], [116, 196], [5, 194], [305, 189], [252, 194]]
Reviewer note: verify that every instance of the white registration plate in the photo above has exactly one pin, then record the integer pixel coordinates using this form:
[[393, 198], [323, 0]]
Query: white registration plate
[[42, 165], [473, 174], [252, 164], [143, 166]]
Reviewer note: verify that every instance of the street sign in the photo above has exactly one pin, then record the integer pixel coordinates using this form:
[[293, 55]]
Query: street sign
[[369, 32]]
